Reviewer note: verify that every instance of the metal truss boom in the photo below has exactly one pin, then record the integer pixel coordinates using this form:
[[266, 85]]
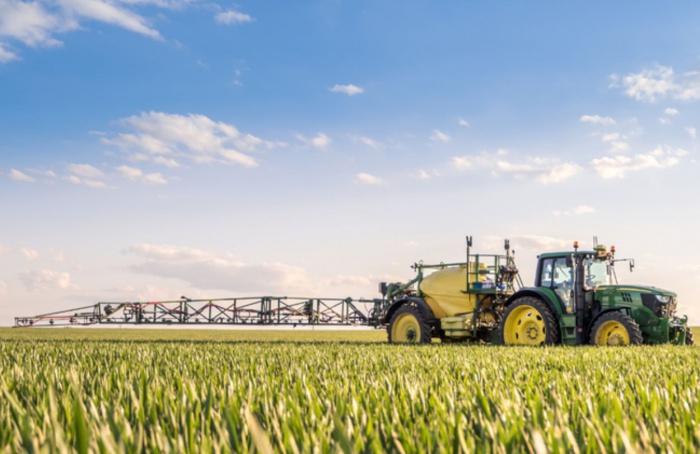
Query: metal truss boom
[[264, 310]]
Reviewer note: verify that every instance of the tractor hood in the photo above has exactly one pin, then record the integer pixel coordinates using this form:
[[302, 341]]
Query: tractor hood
[[636, 289]]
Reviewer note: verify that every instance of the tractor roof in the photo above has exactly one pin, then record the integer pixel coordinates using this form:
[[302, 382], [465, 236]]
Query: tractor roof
[[547, 255]]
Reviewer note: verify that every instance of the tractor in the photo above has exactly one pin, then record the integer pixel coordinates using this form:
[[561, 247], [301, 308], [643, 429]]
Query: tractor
[[576, 300]]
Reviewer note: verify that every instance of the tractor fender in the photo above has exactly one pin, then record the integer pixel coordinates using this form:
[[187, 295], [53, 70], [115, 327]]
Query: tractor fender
[[537, 294], [411, 300]]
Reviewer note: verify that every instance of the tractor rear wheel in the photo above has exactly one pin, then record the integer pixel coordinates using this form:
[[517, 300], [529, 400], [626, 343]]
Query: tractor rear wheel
[[689, 338], [409, 326], [616, 328], [528, 321]]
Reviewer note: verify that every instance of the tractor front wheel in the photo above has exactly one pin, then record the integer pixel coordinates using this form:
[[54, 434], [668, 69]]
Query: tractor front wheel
[[689, 338], [408, 326], [616, 328], [528, 321]]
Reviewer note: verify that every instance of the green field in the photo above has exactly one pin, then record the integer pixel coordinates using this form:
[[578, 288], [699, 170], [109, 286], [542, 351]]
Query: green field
[[303, 391]]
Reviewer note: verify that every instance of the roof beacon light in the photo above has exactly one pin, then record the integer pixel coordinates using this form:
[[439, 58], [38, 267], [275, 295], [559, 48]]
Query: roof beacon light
[[612, 250], [576, 245]]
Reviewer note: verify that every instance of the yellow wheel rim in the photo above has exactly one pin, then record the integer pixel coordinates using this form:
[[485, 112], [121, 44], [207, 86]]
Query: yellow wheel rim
[[406, 329], [612, 332], [525, 326]]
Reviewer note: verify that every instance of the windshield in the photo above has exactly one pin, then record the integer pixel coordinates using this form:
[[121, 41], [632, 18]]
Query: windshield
[[596, 272]]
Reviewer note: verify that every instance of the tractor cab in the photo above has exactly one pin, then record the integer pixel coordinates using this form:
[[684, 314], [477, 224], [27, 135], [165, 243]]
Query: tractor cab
[[570, 276], [579, 290]]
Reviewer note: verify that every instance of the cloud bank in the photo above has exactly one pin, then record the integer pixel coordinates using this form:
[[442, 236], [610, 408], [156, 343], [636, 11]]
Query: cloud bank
[[207, 270], [165, 139]]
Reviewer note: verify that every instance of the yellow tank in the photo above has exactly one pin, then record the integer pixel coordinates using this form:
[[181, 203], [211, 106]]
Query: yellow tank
[[443, 290]]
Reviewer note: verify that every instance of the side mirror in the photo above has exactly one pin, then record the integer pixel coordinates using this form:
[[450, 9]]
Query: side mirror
[[631, 265]]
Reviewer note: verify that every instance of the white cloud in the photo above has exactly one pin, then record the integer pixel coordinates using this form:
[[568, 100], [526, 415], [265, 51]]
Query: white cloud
[[320, 141], [86, 175], [6, 55], [167, 4], [671, 112], [29, 254], [350, 89], [597, 120], [661, 82], [367, 179], [439, 136], [208, 270], [584, 209], [232, 17], [372, 143], [44, 173], [618, 166], [20, 176], [85, 170], [166, 162], [30, 23], [463, 122], [135, 174], [3, 249], [610, 137], [46, 280], [463, 162], [619, 147], [3, 288], [543, 171], [103, 11], [649, 84], [423, 175], [36, 23], [85, 182], [162, 138], [692, 132], [664, 121]]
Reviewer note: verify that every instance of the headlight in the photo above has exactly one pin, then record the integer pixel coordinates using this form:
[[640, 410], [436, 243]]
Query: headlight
[[663, 299]]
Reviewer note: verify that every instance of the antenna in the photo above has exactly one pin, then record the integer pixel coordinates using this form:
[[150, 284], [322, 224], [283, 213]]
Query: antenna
[[595, 242], [466, 269], [469, 246]]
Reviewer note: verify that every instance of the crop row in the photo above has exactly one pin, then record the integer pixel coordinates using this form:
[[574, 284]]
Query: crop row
[[110, 396]]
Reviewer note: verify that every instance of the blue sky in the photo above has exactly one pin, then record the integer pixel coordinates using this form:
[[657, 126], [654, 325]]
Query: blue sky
[[155, 148]]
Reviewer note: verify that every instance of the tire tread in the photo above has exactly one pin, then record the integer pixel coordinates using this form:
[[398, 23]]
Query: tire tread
[[425, 331], [628, 322], [551, 325]]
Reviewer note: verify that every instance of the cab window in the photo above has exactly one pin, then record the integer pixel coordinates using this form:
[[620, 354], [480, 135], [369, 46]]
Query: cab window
[[546, 273]]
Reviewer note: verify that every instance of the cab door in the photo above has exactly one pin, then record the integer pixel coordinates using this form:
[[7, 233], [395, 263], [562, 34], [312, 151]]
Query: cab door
[[557, 274]]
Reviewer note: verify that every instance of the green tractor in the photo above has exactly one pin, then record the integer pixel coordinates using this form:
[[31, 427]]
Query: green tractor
[[575, 300]]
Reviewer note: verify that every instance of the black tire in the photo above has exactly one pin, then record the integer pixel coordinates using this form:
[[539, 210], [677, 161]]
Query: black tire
[[689, 337], [528, 321], [616, 328], [408, 326]]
